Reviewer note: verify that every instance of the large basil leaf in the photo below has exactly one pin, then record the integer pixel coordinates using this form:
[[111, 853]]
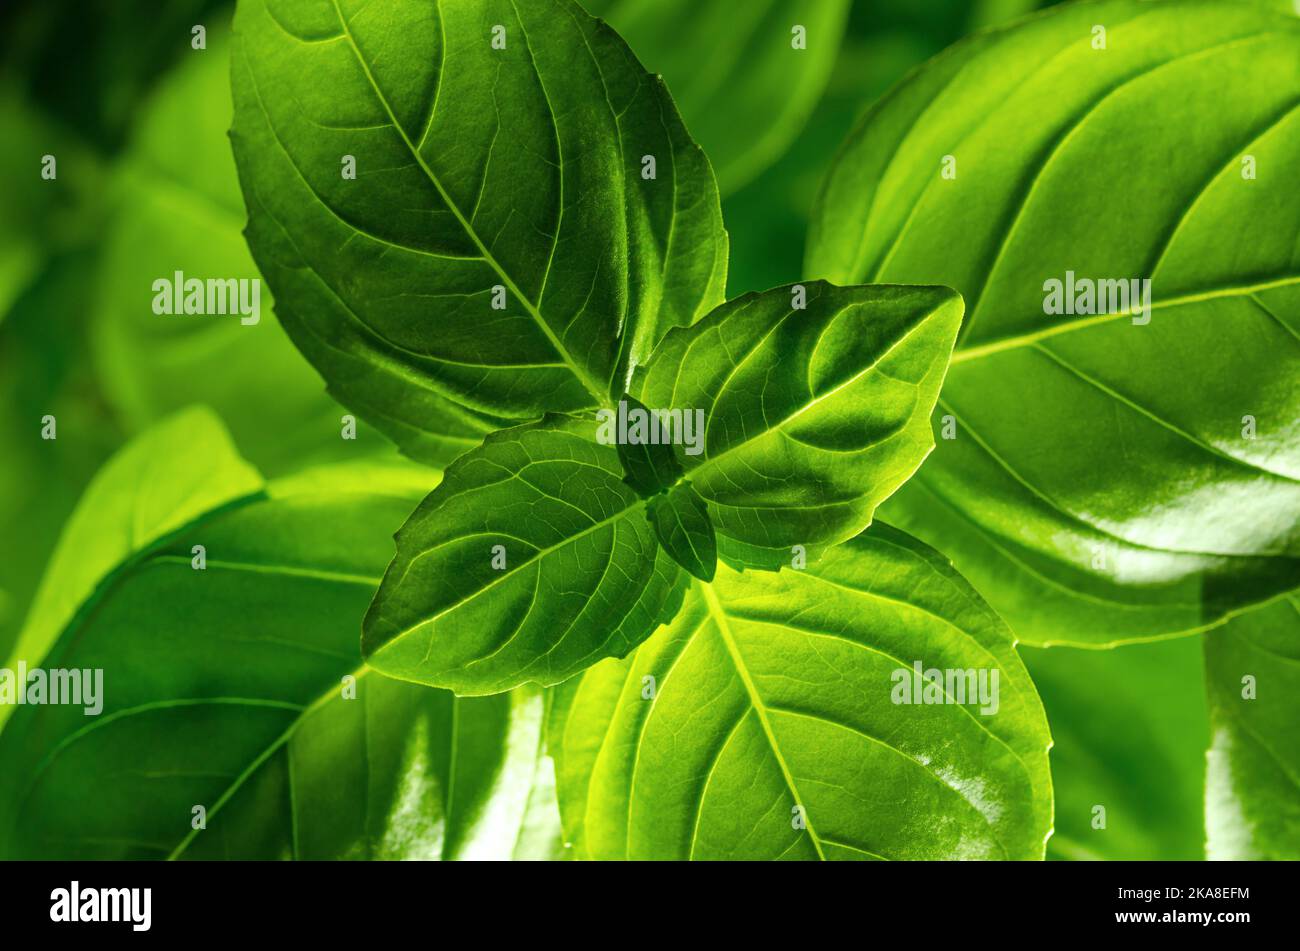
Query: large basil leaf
[[1129, 732], [178, 471], [500, 149], [735, 71], [1101, 485], [759, 724], [532, 560], [814, 414], [227, 688], [178, 208], [1252, 803]]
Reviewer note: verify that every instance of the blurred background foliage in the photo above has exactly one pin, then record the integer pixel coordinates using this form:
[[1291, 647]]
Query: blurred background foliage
[[146, 185]]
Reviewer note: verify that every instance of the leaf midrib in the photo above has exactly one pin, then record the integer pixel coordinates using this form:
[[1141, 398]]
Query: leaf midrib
[[1003, 344], [724, 632], [589, 382]]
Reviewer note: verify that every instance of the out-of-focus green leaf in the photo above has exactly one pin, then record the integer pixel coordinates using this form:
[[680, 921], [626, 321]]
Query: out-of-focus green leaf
[[177, 208], [766, 722], [1252, 803], [182, 469], [1129, 733], [230, 688], [45, 371], [744, 88], [768, 218], [43, 217]]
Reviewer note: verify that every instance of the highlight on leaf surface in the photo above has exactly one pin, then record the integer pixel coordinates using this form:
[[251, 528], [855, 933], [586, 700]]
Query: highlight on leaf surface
[[1120, 457], [786, 715], [470, 213], [1252, 673], [234, 717]]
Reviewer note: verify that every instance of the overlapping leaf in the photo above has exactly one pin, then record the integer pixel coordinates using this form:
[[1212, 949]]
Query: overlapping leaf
[[1108, 480], [762, 724], [1129, 732], [528, 214], [226, 688]]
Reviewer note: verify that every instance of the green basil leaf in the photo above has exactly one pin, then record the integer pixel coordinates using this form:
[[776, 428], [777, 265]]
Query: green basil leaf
[[228, 688], [814, 414], [499, 149], [1106, 480], [160, 482], [1252, 801], [742, 76], [532, 560], [682, 525], [760, 723], [1129, 732]]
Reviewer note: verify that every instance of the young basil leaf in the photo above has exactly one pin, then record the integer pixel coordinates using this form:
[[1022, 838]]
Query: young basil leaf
[[45, 370], [1252, 669], [682, 525], [238, 688], [816, 402], [767, 721], [1129, 733], [745, 77], [532, 560], [487, 205], [1130, 471]]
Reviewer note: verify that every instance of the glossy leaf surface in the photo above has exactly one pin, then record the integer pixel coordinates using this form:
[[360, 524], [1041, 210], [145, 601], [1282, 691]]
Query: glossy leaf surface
[[227, 688], [1111, 476]]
